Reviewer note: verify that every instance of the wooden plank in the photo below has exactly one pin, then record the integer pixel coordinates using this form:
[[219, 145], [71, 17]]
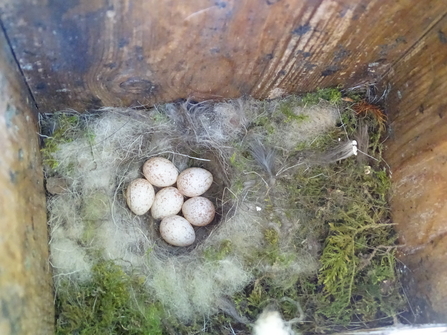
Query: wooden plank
[[417, 153], [90, 53], [26, 300], [400, 329]]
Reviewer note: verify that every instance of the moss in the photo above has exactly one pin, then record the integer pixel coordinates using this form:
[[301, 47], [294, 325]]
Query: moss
[[236, 189], [90, 136], [266, 123], [160, 116], [357, 260], [271, 254], [332, 95], [89, 233], [263, 293], [271, 236], [238, 161], [219, 324], [349, 121], [344, 206], [95, 206], [112, 302], [219, 253], [65, 126], [287, 109]]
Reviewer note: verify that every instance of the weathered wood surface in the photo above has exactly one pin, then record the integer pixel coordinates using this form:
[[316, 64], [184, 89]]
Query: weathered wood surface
[[90, 53], [26, 300], [417, 153], [431, 329]]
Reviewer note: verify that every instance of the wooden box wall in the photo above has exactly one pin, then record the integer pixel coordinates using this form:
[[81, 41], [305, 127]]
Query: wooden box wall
[[85, 54]]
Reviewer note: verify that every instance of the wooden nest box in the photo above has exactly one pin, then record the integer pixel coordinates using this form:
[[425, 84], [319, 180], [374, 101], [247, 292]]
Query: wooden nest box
[[59, 55]]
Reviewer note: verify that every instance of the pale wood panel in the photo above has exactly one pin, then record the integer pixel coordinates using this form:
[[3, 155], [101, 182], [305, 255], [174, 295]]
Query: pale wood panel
[[26, 298], [90, 53], [417, 153]]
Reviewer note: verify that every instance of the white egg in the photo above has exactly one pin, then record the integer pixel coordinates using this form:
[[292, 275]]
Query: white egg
[[177, 231], [168, 201], [160, 172], [140, 196], [194, 182], [199, 211]]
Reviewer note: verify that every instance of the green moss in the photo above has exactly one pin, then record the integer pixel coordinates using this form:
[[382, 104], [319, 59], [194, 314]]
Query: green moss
[[219, 253], [96, 206], [263, 293], [89, 232], [332, 95], [112, 302], [287, 108], [271, 236], [266, 123], [238, 161], [91, 136], [271, 254], [349, 121], [160, 117], [65, 127], [355, 96], [358, 254], [236, 188], [344, 205]]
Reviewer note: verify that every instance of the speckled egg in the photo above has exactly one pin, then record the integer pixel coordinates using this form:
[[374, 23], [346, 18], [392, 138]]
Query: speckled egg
[[199, 211], [194, 182], [160, 172], [140, 196], [168, 201], [177, 231]]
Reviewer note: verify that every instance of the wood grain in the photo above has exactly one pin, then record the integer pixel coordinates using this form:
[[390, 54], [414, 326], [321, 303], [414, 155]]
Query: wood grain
[[90, 53], [26, 298], [417, 153]]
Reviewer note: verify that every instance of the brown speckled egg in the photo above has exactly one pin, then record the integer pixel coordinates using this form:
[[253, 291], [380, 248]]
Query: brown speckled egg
[[168, 201], [140, 196], [160, 172], [194, 182], [199, 211], [177, 231]]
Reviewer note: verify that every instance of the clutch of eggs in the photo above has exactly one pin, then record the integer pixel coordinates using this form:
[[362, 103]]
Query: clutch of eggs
[[169, 201]]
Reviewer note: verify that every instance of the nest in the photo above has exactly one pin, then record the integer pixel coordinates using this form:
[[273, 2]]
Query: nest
[[254, 149]]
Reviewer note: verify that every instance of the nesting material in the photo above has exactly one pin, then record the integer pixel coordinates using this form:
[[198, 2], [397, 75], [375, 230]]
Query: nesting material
[[269, 323], [251, 148]]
